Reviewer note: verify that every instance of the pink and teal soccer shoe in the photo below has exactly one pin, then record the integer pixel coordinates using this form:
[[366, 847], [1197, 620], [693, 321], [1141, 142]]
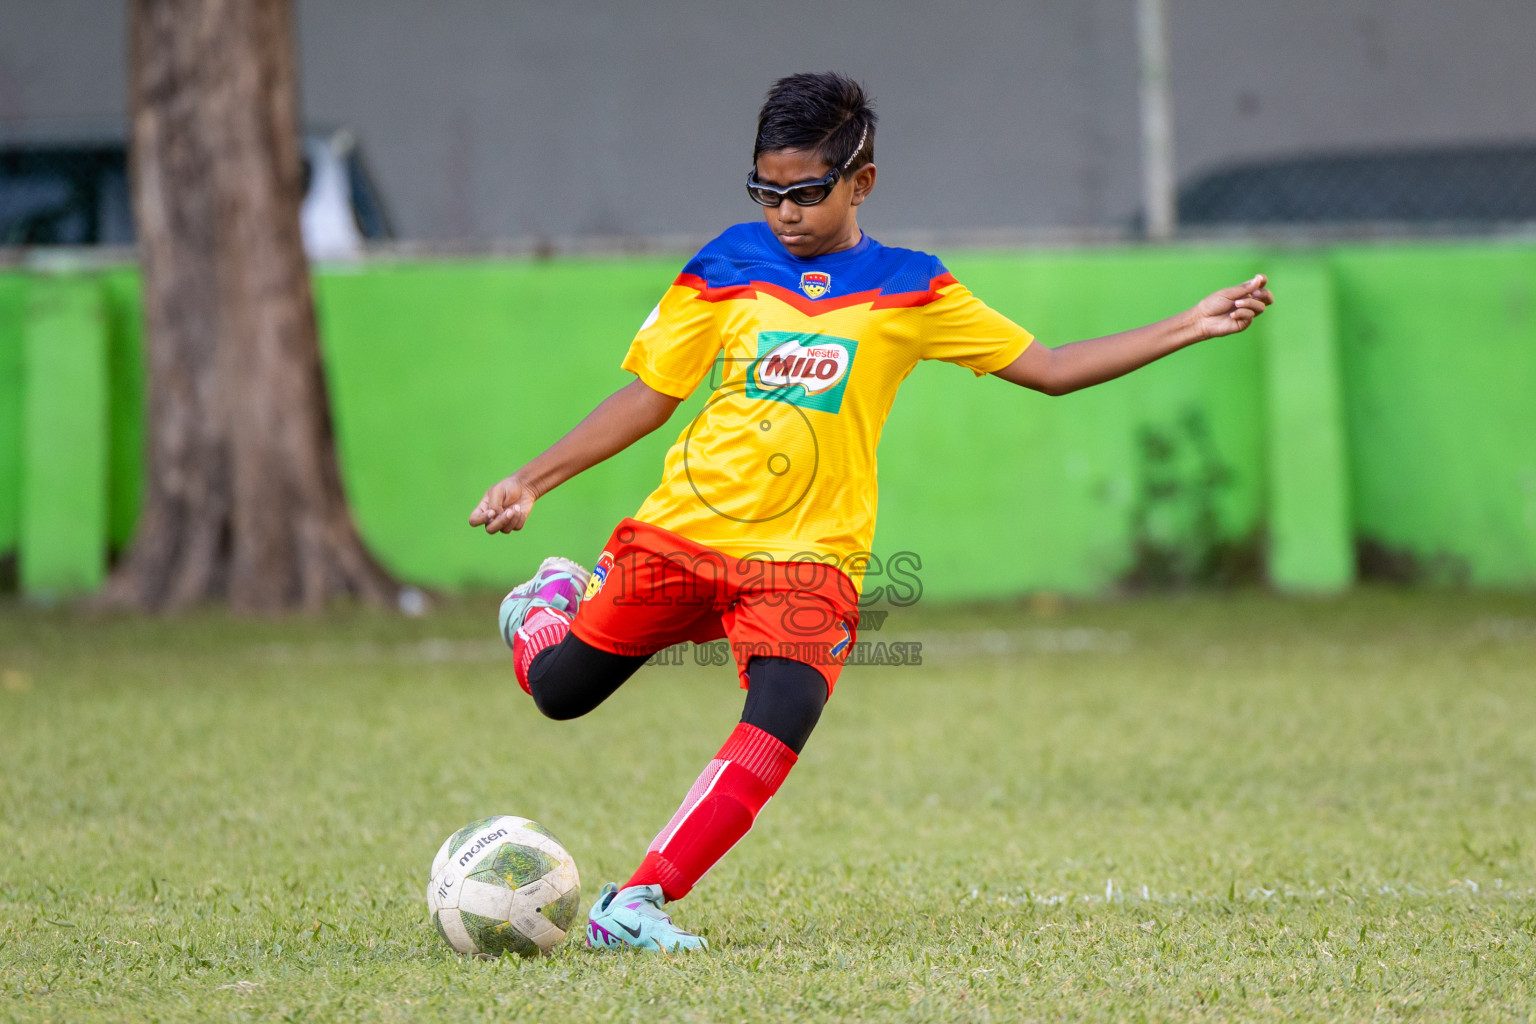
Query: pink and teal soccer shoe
[[558, 584], [632, 918]]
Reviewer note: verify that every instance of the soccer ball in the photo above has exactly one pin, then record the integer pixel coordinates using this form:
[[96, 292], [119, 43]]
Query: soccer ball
[[501, 884]]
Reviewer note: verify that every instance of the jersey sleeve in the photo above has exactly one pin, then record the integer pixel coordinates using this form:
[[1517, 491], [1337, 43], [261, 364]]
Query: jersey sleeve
[[960, 328], [677, 344]]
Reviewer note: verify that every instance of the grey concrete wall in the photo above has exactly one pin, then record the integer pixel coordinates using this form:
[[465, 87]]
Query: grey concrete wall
[[487, 120], [61, 66]]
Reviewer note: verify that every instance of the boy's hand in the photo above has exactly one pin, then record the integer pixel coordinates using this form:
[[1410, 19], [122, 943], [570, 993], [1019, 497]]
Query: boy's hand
[[1232, 309], [619, 421], [505, 507]]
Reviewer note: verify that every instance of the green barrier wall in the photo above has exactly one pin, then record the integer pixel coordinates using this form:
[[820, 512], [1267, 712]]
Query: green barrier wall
[[1385, 403], [62, 522], [1310, 534], [13, 319], [123, 323], [447, 377], [999, 489], [1438, 348]]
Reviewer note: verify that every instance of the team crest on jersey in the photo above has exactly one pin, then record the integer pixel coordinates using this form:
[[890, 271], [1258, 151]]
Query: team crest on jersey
[[599, 575], [808, 370], [815, 283]]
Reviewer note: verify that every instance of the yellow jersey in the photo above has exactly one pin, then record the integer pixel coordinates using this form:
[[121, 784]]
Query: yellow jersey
[[803, 358]]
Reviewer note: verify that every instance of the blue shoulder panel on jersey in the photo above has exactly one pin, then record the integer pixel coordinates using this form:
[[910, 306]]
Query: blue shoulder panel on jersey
[[748, 254]]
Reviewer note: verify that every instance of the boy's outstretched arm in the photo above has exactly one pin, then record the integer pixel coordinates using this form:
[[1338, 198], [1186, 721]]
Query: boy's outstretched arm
[[1057, 371], [623, 418]]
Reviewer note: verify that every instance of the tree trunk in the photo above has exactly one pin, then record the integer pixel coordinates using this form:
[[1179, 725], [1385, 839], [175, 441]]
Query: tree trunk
[[244, 498]]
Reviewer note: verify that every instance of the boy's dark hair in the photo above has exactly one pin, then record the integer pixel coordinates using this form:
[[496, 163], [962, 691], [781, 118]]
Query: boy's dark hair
[[824, 112]]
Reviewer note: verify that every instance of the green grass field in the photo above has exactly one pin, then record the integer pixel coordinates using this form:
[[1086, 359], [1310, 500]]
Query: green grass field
[[1218, 807]]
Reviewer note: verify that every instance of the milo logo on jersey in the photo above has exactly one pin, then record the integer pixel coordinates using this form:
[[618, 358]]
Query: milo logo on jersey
[[808, 370]]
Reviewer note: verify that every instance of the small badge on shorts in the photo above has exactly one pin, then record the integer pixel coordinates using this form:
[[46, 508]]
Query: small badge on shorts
[[599, 576], [815, 283], [840, 649]]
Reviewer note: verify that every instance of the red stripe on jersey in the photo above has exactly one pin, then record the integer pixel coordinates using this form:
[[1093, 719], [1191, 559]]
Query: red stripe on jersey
[[815, 307]]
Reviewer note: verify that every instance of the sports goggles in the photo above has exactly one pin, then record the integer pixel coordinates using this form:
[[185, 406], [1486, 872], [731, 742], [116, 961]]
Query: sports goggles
[[807, 193]]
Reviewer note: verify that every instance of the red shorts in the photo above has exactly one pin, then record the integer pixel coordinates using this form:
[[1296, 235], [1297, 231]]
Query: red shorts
[[652, 589]]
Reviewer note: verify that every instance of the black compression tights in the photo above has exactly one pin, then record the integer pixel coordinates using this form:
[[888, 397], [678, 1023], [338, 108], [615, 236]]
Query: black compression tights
[[784, 699]]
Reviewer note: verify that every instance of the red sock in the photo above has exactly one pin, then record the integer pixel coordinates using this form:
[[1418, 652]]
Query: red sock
[[544, 627], [718, 811]]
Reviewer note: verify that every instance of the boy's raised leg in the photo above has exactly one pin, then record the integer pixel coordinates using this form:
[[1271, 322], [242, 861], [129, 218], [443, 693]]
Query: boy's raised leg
[[537, 614]]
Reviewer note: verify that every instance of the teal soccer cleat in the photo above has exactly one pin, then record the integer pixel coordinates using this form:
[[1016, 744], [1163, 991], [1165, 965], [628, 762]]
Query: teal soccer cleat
[[558, 584], [633, 917]]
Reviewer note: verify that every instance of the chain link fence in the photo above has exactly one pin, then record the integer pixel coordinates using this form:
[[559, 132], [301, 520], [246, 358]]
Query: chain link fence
[[76, 194], [64, 195], [1467, 186]]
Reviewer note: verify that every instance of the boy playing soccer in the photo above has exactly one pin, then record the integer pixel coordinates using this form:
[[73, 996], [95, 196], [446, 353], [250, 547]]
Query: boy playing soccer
[[767, 499]]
